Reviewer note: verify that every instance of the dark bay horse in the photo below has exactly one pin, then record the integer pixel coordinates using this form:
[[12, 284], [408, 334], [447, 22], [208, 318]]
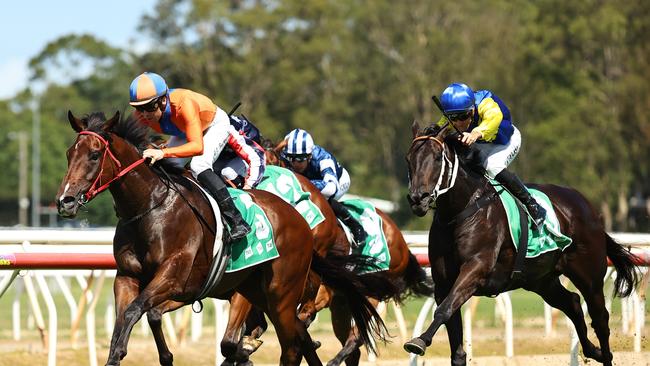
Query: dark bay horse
[[475, 256], [162, 265]]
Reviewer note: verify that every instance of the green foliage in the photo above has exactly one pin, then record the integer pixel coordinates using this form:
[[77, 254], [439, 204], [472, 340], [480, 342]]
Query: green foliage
[[356, 73]]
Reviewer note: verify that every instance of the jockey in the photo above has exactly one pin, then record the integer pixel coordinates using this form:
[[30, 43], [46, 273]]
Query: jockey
[[319, 166], [490, 126], [199, 130]]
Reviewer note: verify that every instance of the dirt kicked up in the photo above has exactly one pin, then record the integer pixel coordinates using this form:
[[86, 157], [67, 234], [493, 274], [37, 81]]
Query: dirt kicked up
[[531, 348]]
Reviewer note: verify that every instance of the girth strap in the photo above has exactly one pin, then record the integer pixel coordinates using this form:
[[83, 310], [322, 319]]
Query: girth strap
[[522, 246], [472, 208]]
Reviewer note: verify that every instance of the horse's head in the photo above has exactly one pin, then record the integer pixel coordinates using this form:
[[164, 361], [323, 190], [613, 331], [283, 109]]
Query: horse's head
[[272, 153], [89, 158], [431, 171]]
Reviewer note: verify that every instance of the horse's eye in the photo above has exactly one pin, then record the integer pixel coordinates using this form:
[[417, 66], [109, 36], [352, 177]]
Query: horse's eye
[[95, 155]]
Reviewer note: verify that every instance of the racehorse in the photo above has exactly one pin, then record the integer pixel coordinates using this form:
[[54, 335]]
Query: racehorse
[[404, 271], [162, 265], [473, 254], [237, 350]]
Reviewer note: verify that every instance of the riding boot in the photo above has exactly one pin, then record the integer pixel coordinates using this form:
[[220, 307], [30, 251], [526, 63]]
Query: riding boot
[[475, 159], [518, 189], [343, 214], [217, 188]]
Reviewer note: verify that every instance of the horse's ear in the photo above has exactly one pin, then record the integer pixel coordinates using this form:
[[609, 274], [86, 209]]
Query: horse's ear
[[77, 124], [108, 125], [415, 128], [281, 145]]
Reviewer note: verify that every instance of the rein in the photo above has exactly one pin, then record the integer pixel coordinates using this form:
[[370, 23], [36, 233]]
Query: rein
[[472, 207], [446, 165], [94, 191]]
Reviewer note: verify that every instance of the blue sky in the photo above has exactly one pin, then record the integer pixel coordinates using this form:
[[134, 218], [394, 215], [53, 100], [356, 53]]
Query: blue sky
[[28, 25]]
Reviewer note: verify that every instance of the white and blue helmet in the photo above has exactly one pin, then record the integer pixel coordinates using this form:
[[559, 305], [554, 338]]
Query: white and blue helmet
[[299, 142]]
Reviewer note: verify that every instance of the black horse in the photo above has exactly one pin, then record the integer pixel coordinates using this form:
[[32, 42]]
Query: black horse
[[473, 254]]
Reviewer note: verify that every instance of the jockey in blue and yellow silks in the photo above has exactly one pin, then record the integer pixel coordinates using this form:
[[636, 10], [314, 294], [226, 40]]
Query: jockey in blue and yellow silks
[[491, 132], [199, 130]]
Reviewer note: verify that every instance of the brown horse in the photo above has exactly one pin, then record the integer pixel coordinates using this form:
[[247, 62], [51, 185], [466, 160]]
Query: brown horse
[[163, 267], [403, 271], [326, 236], [473, 254]]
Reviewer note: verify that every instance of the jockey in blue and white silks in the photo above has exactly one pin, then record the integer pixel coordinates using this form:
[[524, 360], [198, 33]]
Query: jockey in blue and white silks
[[324, 171]]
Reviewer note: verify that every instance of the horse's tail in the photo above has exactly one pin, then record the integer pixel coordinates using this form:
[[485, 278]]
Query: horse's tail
[[627, 277], [336, 273], [417, 281]]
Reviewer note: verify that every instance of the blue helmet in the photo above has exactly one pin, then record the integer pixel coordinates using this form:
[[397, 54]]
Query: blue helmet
[[457, 97], [299, 142], [147, 87]]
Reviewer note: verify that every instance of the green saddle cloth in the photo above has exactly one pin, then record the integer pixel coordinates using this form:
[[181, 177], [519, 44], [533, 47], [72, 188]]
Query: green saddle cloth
[[258, 246], [284, 184], [547, 239], [375, 245]]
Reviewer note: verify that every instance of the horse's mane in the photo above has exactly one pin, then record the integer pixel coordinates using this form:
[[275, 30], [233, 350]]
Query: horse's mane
[[469, 158], [431, 130], [267, 144], [135, 133]]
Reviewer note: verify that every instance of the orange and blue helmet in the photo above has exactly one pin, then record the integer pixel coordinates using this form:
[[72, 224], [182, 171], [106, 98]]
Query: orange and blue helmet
[[147, 87], [457, 98]]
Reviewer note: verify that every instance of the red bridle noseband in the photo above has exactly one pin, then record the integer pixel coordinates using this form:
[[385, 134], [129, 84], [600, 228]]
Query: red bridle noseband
[[93, 190]]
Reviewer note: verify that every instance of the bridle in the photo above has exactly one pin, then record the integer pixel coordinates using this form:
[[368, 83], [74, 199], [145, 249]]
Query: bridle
[[94, 190], [447, 165]]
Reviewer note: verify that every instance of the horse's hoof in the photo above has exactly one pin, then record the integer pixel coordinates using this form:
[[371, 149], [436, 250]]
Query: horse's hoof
[[250, 344], [594, 353], [416, 346], [317, 344]]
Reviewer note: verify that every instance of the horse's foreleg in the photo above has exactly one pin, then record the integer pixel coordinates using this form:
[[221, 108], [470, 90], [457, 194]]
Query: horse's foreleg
[[164, 285], [454, 327], [230, 343], [455, 335], [471, 273], [154, 318], [125, 290]]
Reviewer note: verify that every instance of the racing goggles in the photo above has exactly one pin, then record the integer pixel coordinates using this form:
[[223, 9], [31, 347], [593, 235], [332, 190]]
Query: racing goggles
[[149, 107], [460, 116], [298, 158]]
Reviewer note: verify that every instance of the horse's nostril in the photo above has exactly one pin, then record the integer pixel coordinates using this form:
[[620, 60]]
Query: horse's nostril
[[67, 199], [415, 198]]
